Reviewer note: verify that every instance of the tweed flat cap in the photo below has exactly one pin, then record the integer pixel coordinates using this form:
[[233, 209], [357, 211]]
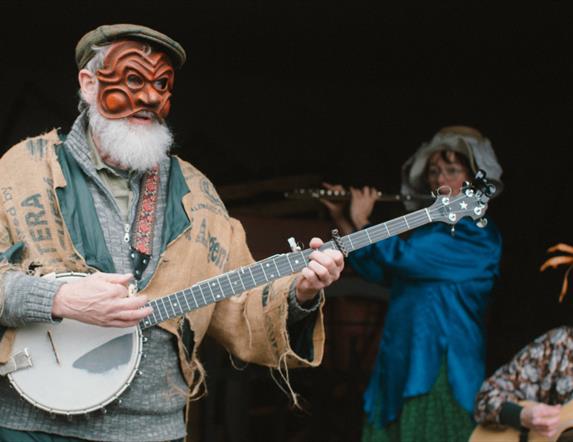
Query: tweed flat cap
[[108, 33]]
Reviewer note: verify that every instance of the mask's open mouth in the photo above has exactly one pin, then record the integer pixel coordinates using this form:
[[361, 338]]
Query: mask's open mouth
[[143, 117]]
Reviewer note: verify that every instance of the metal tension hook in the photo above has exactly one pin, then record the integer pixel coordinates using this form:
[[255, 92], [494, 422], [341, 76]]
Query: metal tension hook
[[338, 242]]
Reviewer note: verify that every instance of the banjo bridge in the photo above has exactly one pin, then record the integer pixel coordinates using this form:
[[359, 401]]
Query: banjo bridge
[[51, 339]]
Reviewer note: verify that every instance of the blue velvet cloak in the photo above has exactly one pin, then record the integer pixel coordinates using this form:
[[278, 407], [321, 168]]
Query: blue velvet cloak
[[440, 288]]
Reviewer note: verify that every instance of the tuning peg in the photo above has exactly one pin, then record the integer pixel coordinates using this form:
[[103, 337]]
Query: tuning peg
[[490, 190], [481, 223], [293, 245], [480, 175]]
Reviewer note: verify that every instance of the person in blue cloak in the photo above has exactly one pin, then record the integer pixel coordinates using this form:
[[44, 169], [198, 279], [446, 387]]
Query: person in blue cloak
[[431, 357]]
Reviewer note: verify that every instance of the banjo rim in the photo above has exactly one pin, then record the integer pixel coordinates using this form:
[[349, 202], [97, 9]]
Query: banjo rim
[[102, 404]]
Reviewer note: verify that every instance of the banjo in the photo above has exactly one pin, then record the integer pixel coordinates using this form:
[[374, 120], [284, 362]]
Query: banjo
[[72, 368]]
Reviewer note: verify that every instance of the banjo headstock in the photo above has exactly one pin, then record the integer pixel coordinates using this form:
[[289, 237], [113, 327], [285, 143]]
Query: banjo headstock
[[472, 201]]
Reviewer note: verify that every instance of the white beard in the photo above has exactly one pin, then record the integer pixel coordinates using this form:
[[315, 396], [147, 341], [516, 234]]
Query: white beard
[[132, 146]]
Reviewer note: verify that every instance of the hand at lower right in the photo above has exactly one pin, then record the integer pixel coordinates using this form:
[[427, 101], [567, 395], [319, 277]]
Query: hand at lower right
[[100, 299], [541, 418]]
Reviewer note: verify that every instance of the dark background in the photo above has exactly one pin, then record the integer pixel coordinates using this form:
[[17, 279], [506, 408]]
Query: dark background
[[345, 92]]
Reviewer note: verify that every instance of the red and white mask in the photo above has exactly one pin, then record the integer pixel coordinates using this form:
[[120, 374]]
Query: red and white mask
[[134, 78]]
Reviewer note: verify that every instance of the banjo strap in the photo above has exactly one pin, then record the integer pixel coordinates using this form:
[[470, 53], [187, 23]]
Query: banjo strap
[[142, 240]]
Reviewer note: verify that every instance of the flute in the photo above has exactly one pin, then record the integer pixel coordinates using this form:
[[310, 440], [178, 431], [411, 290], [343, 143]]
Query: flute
[[344, 195]]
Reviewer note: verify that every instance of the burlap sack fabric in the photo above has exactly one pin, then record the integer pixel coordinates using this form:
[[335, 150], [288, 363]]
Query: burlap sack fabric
[[29, 212]]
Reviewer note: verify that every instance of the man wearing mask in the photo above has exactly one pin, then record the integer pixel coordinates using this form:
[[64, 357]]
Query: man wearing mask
[[108, 199]]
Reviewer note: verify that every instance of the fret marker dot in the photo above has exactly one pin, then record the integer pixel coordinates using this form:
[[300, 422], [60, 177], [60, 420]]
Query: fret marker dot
[[175, 304], [146, 322], [268, 264], [218, 296], [213, 284], [296, 261], [272, 276]]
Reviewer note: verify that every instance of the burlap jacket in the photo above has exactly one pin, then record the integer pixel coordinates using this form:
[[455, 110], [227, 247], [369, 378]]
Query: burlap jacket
[[201, 241]]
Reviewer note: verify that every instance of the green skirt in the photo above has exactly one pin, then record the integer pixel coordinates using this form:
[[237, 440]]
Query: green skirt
[[432, 417]]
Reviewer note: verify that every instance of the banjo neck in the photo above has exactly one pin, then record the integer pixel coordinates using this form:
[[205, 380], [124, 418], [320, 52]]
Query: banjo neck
[[469, 202]]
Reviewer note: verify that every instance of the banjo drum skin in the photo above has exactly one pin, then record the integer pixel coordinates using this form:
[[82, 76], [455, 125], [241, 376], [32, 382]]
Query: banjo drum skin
[[76, 368]]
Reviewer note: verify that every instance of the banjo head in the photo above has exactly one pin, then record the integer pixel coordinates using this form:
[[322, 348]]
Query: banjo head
[[76, 368]]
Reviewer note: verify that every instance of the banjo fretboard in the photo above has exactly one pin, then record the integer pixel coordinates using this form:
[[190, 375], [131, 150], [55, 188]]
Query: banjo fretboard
[[262, 272]]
